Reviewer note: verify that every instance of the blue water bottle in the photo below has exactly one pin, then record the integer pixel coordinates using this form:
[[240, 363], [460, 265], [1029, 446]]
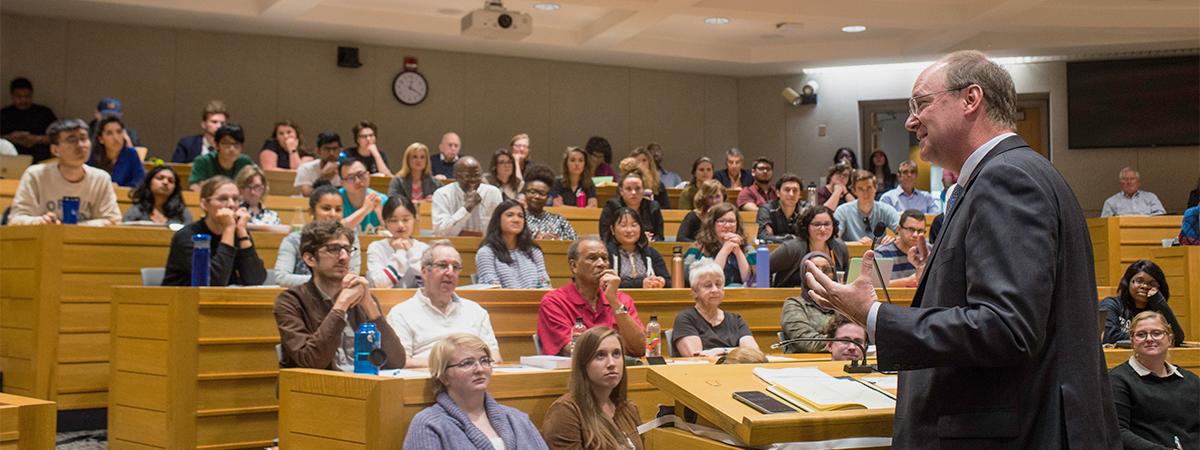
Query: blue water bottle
[[200, 259], [762, 263], [365, 341]]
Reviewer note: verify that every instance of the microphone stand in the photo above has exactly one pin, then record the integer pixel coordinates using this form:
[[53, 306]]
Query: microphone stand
[[855, 366], [874, 241]]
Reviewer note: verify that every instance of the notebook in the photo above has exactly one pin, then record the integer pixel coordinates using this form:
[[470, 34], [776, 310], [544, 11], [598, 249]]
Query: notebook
[[811, 389]]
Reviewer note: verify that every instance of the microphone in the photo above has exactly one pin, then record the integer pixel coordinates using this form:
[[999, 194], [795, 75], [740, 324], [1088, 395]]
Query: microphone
[[855, 366], [878, 232]]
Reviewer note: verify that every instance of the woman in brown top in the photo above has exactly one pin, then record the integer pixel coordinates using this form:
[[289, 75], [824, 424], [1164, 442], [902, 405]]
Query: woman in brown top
[[595, 413]]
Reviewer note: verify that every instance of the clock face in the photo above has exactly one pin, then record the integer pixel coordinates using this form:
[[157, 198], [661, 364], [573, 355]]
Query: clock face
[[410, 88]]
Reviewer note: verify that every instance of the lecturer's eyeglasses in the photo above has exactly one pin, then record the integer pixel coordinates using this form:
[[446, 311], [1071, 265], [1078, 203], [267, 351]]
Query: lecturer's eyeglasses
[[916, 105]]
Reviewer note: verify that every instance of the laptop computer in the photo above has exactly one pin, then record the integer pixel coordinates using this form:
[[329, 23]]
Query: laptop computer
[[885, 269], [12, 166]]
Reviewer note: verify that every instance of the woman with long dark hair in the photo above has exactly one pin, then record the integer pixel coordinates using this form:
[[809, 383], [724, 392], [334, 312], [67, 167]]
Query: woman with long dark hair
[[111, 155], [815, 232], [1143, 288], [595, 413], [158, 199], [503, 175], [878, 164], [702, 170], [576, 180], [508, 255], [638, 264]]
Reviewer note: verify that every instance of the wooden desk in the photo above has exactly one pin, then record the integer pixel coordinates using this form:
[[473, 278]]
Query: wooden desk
[[1181, 266], [183, 170], [26, 423], [1119, 241], [218, 385], [708, 390]]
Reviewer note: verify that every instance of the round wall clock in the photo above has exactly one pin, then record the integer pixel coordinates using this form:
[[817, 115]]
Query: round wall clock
[[410, 87]]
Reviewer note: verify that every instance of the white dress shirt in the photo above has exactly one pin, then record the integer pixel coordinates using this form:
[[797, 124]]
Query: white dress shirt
[[450, 217], [420, 325]]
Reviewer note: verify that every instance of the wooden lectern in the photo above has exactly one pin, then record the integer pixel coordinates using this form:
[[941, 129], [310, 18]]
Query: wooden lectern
[[708, 391]]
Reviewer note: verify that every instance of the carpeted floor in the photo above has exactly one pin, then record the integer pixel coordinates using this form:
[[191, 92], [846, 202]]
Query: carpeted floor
[[83, 440]]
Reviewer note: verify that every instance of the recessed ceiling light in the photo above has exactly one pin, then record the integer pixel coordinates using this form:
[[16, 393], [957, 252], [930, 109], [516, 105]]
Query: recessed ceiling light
[[716, 20], [854, 28], [546, 6]]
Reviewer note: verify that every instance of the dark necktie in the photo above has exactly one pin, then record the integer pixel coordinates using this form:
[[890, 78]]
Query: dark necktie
[[954, 197]]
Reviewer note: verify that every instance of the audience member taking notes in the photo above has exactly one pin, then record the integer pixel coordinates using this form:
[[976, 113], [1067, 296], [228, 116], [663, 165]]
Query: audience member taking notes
[[290, 267], [234, 259], [464, 207], [595, 413], [318, 319], [464, 415], [593, 296], [435, 311], [395, 262], [1132, 200], [40, 193], [705, 328]]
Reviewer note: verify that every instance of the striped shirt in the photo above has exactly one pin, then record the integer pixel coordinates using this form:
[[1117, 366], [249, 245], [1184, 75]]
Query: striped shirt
[[523, 273], [900, 266]]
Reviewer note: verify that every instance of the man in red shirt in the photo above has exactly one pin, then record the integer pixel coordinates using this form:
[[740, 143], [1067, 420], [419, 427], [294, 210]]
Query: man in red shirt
[[591, 295], [752, 197]]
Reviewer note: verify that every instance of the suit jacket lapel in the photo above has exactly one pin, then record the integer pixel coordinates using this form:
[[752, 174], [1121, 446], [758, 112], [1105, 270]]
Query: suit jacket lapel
[[1009, 143]]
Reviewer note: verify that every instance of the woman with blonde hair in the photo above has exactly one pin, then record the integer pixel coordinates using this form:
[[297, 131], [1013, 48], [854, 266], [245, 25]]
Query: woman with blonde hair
[[415, 179], [576, 179], [464, 414], [596, 412], [1158, 403], [252, 183], [710, 193], [653, 179], [518, 146]]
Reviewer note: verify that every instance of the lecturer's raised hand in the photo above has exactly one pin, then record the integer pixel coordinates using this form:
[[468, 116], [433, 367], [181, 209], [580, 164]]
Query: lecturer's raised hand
[[854, 299]]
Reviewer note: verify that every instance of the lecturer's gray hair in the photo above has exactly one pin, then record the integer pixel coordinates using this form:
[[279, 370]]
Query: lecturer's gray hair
[[705, 266], [967, 67]]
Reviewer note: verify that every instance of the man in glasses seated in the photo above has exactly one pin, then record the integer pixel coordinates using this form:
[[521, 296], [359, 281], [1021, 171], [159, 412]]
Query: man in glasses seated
[[906, 195], [318, 319], [435, 311], [904, 273]]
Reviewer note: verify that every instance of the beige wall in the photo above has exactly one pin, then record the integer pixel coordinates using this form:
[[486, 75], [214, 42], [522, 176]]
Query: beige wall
[[767, 122], [165, 76]]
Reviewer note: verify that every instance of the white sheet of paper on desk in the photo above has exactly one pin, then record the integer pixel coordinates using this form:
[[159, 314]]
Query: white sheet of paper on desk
[[773, 358], [403, 373], [687, 361], [518, 369], [821, 388], [884, 382]]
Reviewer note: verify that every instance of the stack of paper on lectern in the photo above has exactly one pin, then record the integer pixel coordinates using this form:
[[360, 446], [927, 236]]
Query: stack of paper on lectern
[[811, 389]]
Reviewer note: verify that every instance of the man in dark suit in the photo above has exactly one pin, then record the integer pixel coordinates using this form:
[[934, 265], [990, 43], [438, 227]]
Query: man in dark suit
[[1000, 348], [190, 147]]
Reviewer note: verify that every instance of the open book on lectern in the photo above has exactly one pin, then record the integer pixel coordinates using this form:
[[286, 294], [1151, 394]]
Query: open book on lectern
[[810, 389]]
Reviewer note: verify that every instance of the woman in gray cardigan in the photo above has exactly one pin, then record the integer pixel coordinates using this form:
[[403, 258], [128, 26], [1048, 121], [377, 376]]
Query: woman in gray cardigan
[[465, 415]]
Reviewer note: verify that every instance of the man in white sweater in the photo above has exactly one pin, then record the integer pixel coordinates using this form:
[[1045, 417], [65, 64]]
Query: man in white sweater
[[39, 195]]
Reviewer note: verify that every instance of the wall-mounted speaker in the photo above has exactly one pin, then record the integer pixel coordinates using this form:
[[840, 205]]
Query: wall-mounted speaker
[[348, 57]]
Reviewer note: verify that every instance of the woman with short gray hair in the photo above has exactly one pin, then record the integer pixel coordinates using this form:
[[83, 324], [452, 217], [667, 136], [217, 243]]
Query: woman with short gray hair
[[706, 329]]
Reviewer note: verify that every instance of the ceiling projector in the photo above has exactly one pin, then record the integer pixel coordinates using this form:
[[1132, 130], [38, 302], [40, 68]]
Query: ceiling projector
[[495, 22]]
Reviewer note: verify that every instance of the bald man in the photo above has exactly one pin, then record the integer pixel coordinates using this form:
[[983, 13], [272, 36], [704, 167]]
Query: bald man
[[464, 207], [443, 164]]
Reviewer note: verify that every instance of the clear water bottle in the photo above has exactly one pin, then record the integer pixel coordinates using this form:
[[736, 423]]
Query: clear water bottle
[[577, 331], [811, 192], [653, 337], [762, 266], [201, 246], [366, 340]]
